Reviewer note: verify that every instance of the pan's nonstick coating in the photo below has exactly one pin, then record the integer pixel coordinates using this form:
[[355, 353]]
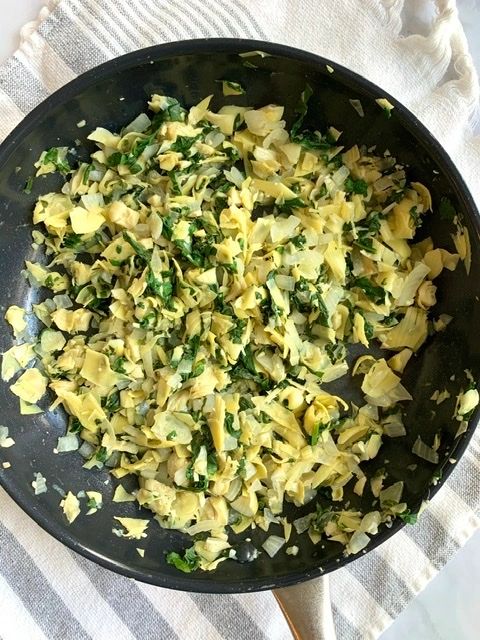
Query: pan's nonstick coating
[[114, 94]]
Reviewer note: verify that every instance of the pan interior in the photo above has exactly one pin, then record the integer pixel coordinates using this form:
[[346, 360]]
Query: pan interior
[[114, 94]]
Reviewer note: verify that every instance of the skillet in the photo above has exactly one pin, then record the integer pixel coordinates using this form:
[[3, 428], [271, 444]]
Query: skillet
[[114, 93]]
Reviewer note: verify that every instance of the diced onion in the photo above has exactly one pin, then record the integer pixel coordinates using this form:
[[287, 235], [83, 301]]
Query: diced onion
[[392, 494], [67, 443], [273, 544], [86, 449], [63, 301], [140, 123], [287, 283], [357, 542], [39, 484], [5, 441], [302, 524], [425, 452], [357, 105]]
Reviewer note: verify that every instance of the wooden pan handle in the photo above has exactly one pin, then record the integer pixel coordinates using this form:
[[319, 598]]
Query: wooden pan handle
[[307, 610]]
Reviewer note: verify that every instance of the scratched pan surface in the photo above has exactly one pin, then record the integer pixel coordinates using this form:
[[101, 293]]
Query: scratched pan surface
[[188, 71]]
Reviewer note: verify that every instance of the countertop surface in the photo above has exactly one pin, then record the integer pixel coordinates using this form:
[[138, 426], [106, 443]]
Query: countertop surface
[[448, 609]]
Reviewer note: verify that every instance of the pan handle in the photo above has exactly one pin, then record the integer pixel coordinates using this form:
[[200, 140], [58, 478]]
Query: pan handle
[[307, 610]]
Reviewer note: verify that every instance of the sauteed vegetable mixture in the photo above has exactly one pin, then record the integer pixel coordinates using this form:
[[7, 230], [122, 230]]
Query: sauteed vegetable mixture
[[209, 274]]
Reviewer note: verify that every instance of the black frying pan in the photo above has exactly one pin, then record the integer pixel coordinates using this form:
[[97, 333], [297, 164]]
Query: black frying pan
[[188, 70]]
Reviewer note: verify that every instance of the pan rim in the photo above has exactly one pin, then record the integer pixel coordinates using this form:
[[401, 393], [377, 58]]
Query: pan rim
[[408, 120]]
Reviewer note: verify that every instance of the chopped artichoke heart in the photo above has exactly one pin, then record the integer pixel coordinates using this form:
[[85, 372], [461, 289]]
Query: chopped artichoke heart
[[121, 495], [166, 423], [5, 440], [15, 359], [467, 402], [410, 332], [71, 507], [96, 369], [15, 316], [84, 221], [134, 527], [30, 386], [380, 379]]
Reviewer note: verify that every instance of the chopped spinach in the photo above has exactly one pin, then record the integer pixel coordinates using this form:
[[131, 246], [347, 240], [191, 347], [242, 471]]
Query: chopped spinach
[[245, 404], [202, 437], [307, 139], [197, 369], [187, 563], [28, 185], [101, 454], [336, 352], [86, 173], [167, 227], [301, 110], [321, 519], [356, 186], [298, 241], [416, 217], [161, 288], [52, 156], [236, 334], [232, 153], [229, 426], [130, 159], [241, 471], [408, 517], [93, 504], [119, 365], [368, 328], [142, 253], [173, 112], [75, 425], [212, 464], [235, 87], [374, 292], [184, 143], [148, 320], [307, 298], [364, 243], [112, 402], [245, 370], [191, 349], [446, 209], [174, 183], [315, 434], [288, 205]]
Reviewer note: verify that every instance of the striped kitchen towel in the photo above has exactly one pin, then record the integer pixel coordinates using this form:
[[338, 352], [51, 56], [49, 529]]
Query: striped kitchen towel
[[46, 591]]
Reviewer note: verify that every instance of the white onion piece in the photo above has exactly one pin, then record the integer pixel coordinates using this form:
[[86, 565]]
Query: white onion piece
[[425, 452], [67, 443], [273, 544], [86, 449], [62, 301], [394, 429], [392, 494], [39, 484], [139, 124], [302, 524], [358, 541], [357, 105]]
